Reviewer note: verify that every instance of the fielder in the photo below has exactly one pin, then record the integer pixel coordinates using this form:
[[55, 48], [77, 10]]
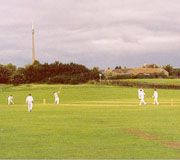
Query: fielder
[[10, 99], [141, 96], [56, 97], [139, 91], [155, 95], [30, 101]]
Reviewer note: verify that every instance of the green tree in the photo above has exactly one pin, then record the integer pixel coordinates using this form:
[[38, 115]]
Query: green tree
[[170, 69], [5, 74], [18, 77]]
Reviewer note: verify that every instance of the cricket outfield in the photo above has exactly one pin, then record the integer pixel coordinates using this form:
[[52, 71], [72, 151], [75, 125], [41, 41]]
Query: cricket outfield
[[91, 122]]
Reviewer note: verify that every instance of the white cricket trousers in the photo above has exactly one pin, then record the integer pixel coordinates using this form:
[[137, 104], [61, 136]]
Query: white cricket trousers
[[142, 101], [156, 101], [57, 100], [10, 101], [30, 106]]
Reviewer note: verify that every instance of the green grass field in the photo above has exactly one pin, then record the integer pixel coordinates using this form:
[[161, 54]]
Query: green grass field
[[156, 81], [91, 122]]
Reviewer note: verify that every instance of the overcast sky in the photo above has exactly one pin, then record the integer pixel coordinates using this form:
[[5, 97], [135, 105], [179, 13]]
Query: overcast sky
[[102, 33]]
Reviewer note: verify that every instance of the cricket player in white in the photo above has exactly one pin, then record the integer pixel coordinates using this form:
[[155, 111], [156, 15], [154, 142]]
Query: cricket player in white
[[56, 97], [155, 95], [139, 92], [10, 99], [141, 96], [30, 101]]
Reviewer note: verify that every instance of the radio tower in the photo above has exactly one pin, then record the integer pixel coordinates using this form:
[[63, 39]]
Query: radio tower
[[33, 52]]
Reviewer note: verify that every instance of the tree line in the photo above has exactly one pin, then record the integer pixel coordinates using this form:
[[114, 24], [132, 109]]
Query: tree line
[[173, 72], [64, 73], [47, 73]]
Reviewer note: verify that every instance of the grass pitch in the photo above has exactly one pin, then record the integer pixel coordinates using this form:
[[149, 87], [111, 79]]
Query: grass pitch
[[156, 81], [92, 121]]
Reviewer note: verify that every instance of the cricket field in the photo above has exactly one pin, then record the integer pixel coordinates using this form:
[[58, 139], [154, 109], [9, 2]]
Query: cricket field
[[91, 122]]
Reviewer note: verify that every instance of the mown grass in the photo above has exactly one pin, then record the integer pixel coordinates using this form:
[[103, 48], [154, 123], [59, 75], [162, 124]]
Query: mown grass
[[156, 81], [88, 124], [79, 93]]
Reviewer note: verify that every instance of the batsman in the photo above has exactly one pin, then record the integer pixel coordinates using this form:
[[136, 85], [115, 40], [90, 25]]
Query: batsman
[[56, 96]]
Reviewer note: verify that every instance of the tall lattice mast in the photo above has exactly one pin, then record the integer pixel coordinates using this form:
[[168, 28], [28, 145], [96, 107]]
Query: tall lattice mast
[[33, 50]]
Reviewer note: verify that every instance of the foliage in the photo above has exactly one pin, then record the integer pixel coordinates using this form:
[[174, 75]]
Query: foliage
[[67, 73], [48, 73], [18, 77], [173, 72], [139, 76], [5, 72], [118, 67]]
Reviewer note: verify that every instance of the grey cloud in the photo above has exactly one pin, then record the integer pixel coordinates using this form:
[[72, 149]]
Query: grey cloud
[[95, 33]]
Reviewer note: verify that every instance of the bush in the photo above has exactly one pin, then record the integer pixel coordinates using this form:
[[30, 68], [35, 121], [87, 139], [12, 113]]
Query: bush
[[18, 78], [139, 76], [44, 73], [139, 84]]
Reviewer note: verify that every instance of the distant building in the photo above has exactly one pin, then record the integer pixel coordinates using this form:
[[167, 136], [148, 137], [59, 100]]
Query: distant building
[[133, 71], [149, 66], [146, 71]]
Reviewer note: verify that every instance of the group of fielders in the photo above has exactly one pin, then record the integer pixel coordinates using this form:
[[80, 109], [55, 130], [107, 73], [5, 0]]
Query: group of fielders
[[30, 100], [141, 95]]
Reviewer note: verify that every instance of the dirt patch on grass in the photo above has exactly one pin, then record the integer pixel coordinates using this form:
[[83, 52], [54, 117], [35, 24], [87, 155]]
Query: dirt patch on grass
[[153, 137], [172, 144], [99, 121], [143, 134]]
